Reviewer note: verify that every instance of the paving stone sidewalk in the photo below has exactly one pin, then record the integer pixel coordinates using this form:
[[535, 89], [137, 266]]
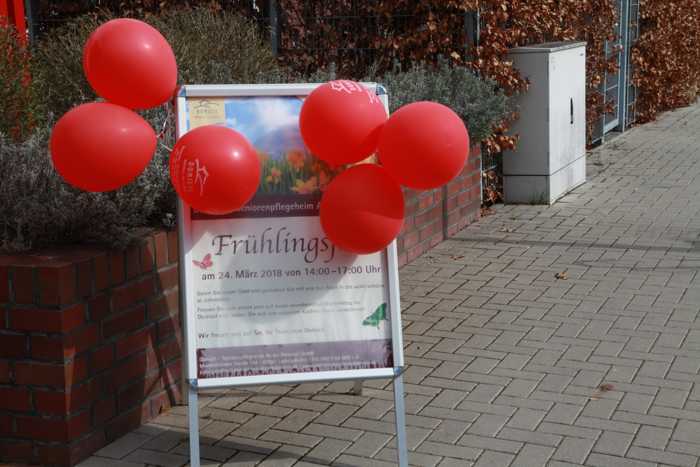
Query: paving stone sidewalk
[[559, 336]]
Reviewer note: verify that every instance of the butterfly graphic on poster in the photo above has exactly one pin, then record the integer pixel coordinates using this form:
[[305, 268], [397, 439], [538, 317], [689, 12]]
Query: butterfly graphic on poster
[[206, 263], [377, 317]]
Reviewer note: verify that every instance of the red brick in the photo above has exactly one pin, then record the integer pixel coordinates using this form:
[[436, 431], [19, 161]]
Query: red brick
[[454, 187], [13, 345], [436, 239], [124, 423], [475, 192], [5, 426], [63, 403], [49, 374], [169, 350], [474, 179], [124, 322], [117, 272], [51, 402], [172, 373], [409, 222], [49, 348], [452, 204], [148, 255], [464, 198], [428, 216], [133, 262], [430, 230], [79, 372], [42, 374], [48, 320], [99, 307], [104, 410], [66, 346], [57, 285], [410, 207], [102, 277], [173, 252], [101, 359], [471, 209], [174, 391], [4, 285], [54, 454], [153, 361], [73, 453], [85, 275], [410, 239], [139, 391], [168, 277], [167, 303], [160, 403], [16, 451], [15, 399], [161, 242], [129, 294], [431, 198], [83, 339], [168, 327], [132, 368], [4, 371], [455, 216], [135, 342], [53, 429], [23, 284]]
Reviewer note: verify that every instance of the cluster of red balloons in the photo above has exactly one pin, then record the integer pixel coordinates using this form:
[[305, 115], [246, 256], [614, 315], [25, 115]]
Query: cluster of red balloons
[[102, 146], [421, 146]]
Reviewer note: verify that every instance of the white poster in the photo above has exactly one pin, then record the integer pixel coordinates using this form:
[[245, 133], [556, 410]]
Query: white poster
[[269, 292]]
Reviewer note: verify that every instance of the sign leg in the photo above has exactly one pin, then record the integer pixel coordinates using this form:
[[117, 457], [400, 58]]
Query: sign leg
[[193, 422], [357, 387], [400, 409]]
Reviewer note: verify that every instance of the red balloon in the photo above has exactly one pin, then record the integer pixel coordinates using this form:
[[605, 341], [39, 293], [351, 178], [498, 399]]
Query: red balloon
[[101, 146], [340, 122], [129, 63], [362, 209], [424, 145], [214, 169]]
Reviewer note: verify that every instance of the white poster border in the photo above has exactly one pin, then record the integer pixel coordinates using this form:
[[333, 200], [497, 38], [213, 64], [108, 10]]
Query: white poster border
[[185, 244]]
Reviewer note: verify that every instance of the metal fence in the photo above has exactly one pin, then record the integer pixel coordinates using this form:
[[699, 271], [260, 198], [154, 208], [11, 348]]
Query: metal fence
[[617, 91]]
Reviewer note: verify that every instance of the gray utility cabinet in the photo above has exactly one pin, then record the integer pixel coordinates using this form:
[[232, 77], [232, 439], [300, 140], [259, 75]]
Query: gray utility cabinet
[[550, 157]]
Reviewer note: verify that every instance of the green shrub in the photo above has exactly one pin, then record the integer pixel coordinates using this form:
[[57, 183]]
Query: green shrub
[[217, 47], [477, 101], [37, 208], [210, 47], [15, 94]]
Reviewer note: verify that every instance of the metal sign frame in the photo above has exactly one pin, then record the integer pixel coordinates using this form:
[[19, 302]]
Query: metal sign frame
[[186, 285]]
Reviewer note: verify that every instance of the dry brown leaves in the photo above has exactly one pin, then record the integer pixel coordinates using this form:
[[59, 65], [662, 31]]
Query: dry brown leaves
[[666, 58], [404, 31]]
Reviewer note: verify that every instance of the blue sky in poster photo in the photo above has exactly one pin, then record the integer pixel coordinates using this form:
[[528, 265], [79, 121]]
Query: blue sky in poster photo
[[270, 123]]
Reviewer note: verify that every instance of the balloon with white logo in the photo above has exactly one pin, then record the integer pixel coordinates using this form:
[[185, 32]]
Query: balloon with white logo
[[214, 169]]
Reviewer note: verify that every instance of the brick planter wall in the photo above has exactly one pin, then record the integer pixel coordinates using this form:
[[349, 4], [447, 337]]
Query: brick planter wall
[[89, 347], [434, 215]]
